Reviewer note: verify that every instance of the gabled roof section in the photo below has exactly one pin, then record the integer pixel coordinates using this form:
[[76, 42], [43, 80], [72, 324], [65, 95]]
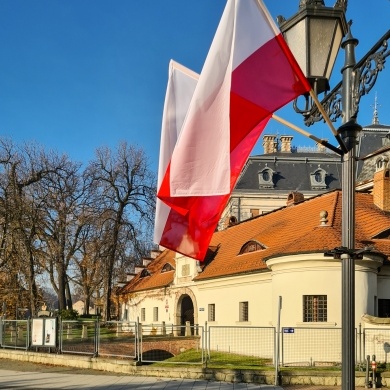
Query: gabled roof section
[[156, 277], [292, 230]]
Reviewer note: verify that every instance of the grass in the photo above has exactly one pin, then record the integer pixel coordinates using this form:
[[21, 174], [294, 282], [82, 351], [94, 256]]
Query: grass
[[219, 360]]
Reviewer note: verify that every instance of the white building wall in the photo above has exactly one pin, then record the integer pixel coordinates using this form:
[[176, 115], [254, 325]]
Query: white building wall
[[307, 274], [289, 277], [227, 293], [313, 274]]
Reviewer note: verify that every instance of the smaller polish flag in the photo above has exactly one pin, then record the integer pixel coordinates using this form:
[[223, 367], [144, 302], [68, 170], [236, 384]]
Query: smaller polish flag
[[181, 86], [249, 73]]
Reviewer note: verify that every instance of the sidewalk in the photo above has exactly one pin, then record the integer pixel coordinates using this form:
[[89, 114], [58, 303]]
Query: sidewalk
[[23, 375]]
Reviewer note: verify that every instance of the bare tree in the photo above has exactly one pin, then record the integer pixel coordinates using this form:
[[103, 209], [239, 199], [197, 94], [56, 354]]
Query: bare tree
[[60, 195], [123, 189]]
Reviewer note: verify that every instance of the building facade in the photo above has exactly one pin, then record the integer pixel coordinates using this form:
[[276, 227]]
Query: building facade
[[279, 256]]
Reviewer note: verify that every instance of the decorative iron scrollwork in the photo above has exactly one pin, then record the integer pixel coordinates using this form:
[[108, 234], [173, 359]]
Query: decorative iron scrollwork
[[365, 75]]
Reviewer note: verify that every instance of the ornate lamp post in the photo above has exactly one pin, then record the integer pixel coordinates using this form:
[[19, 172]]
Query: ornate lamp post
[[314, 36]]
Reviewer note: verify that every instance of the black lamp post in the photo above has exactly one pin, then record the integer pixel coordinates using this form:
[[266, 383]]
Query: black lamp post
[[314, 36]]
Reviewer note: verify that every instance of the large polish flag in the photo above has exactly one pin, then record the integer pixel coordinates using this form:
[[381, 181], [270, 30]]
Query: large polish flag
[[249, 73]]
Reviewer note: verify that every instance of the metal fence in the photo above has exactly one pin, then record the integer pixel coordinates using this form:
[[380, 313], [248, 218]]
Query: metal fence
[[79, 337], [15, 334], [195, 344], [255, 344], [377, 342], [310, 347]]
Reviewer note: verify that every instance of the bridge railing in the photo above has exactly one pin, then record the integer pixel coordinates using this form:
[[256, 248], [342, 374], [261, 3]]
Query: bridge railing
[[159, 342]]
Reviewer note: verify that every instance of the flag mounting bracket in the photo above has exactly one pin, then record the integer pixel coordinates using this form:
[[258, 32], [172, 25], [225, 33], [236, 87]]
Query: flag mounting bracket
[[356, 254]]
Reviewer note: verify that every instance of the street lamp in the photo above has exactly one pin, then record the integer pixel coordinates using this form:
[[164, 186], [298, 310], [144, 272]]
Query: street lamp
[[315, 35]]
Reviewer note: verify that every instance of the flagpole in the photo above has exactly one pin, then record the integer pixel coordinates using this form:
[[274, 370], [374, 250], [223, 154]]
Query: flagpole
[[328, 121], [307, 134]]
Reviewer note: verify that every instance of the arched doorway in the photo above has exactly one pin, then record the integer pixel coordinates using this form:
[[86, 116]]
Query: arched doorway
[[186, 312]]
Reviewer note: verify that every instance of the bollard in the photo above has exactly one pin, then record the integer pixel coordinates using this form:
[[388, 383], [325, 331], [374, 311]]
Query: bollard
[[373, 367], [188, 328], [84, 331]]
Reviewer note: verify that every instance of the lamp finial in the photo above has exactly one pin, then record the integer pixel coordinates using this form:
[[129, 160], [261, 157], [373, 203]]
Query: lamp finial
[[341, 4]]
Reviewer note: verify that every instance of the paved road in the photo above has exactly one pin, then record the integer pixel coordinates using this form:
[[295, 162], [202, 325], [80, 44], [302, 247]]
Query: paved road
[[23, 375]]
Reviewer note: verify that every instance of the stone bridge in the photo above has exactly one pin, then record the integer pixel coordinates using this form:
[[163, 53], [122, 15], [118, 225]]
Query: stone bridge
[[153, 348]]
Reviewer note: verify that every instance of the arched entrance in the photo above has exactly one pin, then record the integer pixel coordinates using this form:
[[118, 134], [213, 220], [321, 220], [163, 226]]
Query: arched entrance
[[185, 312]]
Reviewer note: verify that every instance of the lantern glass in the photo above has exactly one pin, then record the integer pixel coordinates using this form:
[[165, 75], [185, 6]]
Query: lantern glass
[[314, 36]]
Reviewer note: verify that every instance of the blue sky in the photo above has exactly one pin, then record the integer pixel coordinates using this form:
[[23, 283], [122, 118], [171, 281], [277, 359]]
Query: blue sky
[[79, 74]]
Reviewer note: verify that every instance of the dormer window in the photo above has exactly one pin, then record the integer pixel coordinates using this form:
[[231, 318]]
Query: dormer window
[[167, 267], [381, 163], [251, 246], [144, 273], [384, 234], [318, 179], [265, 178]]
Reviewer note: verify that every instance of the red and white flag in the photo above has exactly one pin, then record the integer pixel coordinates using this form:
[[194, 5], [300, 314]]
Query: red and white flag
[[181, 86], [249, 73]]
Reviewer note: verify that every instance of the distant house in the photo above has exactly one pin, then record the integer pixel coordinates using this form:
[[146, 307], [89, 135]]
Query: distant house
[[79, 307], [277, 254]]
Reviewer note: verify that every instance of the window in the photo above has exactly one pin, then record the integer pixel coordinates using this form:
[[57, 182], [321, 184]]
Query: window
[[384, 308], [144, 273], [251, 246], [126, 315], [315, 308], [318, 179], [155, 314], [211, 312], [167, 267], [243, 315], [266, 178], [143, 316], [185, 270]]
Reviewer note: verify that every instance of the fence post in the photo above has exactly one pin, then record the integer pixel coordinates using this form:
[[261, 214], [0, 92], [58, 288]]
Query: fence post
[[206, 343], [1, 331], [277, 343], [28, 334], [360, 344], [96, 337], [138, 338]]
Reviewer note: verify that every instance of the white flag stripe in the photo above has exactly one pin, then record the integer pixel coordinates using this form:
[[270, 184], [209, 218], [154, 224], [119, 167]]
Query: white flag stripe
[[181, 85], [260, 34]]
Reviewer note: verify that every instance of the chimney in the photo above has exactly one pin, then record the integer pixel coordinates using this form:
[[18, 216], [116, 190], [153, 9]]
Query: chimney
[[138, 268], [270, 144], [155, 253], [294, 198], [286, 143], [381, 191], [321, 148], [146, 261], [129, 277]]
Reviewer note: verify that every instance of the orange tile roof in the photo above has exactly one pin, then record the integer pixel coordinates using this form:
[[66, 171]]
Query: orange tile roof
[[288, 230]]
